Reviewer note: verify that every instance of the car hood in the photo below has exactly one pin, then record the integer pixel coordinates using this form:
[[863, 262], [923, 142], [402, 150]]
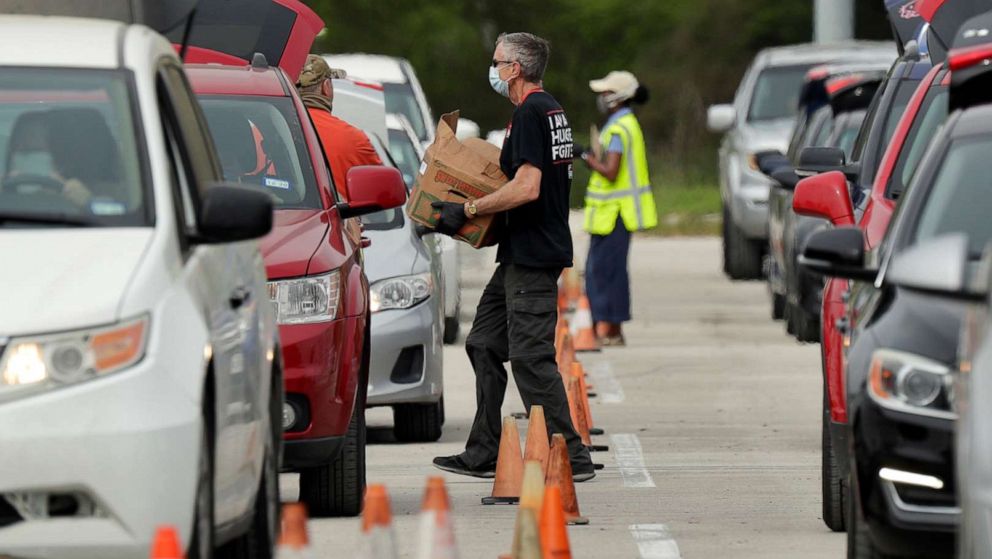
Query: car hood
[[396, 252], [765, 136], [295, 237], [64, 279]]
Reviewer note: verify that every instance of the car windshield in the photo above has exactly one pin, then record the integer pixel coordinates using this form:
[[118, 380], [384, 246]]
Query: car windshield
[[931, 115], [405, 155], [959, 195], [69, 155], [401, 100], [776, 94], [260, 143]]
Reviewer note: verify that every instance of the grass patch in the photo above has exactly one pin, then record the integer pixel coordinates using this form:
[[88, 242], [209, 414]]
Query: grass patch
[[687, 210]]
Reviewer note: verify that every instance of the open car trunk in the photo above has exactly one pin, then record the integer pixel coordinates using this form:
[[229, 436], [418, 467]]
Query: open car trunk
[[160, 15]]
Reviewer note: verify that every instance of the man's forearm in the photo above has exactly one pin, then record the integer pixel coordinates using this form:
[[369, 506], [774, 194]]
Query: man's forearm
[[524, 188]]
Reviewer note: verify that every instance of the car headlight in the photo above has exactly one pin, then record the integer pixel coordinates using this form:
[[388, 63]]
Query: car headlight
[[305, 300], [910, 383], [400, 293], [51, 361]]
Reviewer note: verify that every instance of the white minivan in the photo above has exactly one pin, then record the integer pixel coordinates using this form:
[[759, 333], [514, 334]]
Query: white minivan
[[140, 379]]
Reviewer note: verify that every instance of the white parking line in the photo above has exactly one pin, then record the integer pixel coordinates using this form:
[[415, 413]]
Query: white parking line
[[606, 384], [654, 541], [630, 461]]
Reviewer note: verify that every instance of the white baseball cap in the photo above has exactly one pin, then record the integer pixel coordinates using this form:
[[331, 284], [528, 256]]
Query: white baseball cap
[[622, 83]]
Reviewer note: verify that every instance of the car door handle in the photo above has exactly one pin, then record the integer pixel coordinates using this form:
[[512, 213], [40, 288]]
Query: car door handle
[[239, 297]]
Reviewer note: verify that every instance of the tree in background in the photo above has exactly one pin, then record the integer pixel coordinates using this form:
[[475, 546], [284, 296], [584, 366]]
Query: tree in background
[[690, 53]]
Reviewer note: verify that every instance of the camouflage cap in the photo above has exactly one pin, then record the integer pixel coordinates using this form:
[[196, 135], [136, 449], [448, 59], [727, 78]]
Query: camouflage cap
[[316, 70]]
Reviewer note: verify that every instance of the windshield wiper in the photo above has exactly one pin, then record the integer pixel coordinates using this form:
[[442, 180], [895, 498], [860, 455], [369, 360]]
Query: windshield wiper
[[45, 219]]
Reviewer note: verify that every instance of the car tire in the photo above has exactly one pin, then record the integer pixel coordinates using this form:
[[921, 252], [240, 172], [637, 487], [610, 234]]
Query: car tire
[[789, 316], [859, 544], [778, 306], [807, 326], [834, 488], [451, 327], [201, 544], [742, 256], [337, 489], [418, 423]]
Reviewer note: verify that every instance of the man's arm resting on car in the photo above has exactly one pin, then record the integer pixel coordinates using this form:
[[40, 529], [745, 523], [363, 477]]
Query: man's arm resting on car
[[525, 187]]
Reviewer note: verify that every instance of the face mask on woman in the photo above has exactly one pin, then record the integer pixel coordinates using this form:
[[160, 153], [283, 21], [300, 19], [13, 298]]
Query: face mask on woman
[[602, 105], [499, 85]]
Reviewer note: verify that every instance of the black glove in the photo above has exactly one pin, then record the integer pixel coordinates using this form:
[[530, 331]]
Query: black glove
[[451, 217]]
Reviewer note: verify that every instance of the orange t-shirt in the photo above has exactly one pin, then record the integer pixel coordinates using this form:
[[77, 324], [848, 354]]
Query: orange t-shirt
[[345, 146]]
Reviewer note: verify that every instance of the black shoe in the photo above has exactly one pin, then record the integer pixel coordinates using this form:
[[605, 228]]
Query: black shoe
[[578, 476], [456, 465]]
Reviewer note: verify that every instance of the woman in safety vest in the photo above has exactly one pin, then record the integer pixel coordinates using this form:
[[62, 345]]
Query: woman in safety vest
[[618, 202]]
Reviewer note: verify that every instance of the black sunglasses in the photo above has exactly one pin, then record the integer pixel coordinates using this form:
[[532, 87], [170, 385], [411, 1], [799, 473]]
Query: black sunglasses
[[496, 63]]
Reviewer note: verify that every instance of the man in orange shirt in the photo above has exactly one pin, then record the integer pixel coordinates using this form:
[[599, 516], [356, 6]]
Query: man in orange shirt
[[345, 145]]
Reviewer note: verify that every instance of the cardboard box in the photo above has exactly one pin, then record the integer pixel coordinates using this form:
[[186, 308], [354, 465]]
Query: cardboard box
[[456, 171]]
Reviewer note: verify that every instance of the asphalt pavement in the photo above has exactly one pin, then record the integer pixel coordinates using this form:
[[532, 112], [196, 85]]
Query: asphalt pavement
[[711, 414]]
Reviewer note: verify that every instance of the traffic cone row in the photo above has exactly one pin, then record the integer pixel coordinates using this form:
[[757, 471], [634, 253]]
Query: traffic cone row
[[540, 531], [571, 370]]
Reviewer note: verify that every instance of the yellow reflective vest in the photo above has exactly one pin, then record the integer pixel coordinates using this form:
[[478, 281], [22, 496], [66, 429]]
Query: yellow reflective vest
[[629, 196]]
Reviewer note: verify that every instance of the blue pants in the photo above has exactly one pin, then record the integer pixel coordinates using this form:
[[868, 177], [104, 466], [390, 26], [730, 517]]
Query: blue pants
[[607, 278]]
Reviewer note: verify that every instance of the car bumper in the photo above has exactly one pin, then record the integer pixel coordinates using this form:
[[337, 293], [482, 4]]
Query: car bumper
[[904, 518], [321, 366], [406, 362], [749, 207], [102, 444]]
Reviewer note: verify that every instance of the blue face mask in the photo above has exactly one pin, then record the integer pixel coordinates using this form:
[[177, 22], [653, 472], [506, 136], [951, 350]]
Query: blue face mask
[[499, 85]]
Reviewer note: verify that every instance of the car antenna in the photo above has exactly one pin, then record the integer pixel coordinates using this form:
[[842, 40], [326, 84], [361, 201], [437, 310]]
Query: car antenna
[[258, 62], [184, 44]]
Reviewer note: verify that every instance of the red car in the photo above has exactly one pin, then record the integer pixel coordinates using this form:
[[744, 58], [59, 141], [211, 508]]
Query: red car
[[313, 258], [827, 196]]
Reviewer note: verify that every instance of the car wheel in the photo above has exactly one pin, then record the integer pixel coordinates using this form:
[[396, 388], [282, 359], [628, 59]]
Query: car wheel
[[859, 544], [742, 256], [201, 545], [451, 327], [418, 423], [778, 306], [807, 326], [336, 489], [833, 487], [789, 315]]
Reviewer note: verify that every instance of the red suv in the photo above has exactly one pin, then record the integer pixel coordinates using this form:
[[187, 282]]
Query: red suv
[[313, 258]]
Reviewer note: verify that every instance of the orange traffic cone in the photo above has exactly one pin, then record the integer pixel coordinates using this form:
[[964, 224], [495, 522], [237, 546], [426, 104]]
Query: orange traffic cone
[[509, 467], [560, 474], [526, 540], [294, 541], [378, 541], [537, 446], [582, 327], [437, 535], [576, 411], [565, 356], [572, 286], [554, 535], [579, 374], [166, 544]]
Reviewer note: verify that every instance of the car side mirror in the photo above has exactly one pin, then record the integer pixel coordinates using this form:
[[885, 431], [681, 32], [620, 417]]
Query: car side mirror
[[815, 160], [230, 213], [838, 253], [938, 266], [372, 188], [825, 196], [721, 118]]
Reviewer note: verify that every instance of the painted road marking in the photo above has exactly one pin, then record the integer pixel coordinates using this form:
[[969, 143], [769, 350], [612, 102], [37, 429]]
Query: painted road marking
[[654, 541], [630, 460], [607, 387]]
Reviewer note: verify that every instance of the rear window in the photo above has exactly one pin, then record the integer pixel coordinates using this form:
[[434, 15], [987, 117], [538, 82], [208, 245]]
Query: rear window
[[959, 196], [932, 114], [776, 93], [260, 143], [405, 155], [846, 131], [401, 100]]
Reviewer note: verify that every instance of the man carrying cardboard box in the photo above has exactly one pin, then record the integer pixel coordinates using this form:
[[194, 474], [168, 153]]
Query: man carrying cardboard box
[[517, 314]]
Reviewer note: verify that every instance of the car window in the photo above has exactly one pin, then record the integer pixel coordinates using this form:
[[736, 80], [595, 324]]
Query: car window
[[845, 132], [404, 153], [899, 104], [959, 195], [385, 219], [932, 114], [68, 150], [823, 126], [260, 143], [401, 100], [776, 93]]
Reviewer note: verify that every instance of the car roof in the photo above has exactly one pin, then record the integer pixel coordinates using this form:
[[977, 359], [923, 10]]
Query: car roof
[[809, 53], [376, 67], [974, 120], [68, 42], [218, 79]]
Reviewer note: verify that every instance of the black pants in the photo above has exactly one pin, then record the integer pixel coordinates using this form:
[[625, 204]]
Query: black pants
[[515, 322]]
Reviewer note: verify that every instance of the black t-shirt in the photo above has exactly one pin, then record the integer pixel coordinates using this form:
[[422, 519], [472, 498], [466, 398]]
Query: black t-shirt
[[537, 233]]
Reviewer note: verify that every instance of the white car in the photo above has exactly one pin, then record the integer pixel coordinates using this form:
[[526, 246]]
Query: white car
[[140, 380], [405, 96]]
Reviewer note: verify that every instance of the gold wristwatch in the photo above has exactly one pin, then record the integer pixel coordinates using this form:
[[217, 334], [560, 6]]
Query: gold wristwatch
[[472, 209]]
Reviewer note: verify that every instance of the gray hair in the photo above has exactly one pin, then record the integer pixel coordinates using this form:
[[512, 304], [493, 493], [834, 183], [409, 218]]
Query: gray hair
[[530, 51]]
